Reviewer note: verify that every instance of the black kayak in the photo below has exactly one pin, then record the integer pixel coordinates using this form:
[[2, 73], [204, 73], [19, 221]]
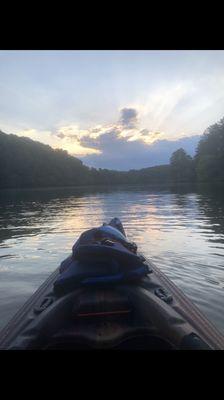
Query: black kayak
[[106, 295]]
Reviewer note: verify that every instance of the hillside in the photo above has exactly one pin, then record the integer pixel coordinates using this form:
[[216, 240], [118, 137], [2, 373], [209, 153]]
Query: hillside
[[25, 163]]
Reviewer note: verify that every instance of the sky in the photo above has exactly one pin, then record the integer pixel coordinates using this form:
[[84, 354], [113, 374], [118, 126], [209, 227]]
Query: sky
[[112, 109]]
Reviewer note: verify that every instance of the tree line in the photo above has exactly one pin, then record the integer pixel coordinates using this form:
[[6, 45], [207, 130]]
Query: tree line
[[25, 163], [208, 163]]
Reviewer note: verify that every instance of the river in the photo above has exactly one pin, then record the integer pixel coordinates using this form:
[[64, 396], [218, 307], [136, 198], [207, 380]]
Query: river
[[181, 230]]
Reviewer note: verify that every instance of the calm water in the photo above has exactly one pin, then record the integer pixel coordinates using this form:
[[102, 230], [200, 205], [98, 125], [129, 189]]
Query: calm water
[[182, 231]]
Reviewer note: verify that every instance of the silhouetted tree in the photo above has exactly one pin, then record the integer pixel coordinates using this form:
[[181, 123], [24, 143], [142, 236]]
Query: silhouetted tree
[[181, 167], [210, 154]]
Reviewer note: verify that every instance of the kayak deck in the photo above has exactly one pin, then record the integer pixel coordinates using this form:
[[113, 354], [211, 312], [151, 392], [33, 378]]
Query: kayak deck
[[145, 322]]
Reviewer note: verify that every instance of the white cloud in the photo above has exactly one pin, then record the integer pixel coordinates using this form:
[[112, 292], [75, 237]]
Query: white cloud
[[74, 139], [66, 138], [128, 128]]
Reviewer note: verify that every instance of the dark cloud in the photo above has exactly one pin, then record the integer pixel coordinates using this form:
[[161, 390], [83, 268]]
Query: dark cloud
[[60, 135], [86, 141], [102, 141], [144, 132], [154, 135], [117, 153], [95, 130], [129, 118]]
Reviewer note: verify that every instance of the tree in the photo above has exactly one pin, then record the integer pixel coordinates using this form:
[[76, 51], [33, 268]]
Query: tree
[[210, 154], [181, 167]]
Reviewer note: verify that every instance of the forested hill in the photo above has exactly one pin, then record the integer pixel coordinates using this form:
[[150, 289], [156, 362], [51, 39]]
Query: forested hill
[[26, 163]]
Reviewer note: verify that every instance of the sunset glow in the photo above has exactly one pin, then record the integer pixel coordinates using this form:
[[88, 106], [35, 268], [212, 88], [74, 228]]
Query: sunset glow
[[90, 103]]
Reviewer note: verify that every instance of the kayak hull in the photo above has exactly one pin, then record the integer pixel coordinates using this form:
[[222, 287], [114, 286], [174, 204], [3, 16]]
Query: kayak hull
[[173, 321]]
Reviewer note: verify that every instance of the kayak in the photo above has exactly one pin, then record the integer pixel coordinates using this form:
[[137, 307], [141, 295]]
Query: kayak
[[108, 296]]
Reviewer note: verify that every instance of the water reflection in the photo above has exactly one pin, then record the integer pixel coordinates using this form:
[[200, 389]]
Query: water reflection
[[181, 229]]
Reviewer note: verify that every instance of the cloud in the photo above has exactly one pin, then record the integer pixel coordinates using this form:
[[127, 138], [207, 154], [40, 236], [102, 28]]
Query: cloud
[[60, 135], [117, 153], [144, 132], [66, 138], [93, 140], [69, 138], [128, 118], [124, 144], [170, 91], [110, 150]]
